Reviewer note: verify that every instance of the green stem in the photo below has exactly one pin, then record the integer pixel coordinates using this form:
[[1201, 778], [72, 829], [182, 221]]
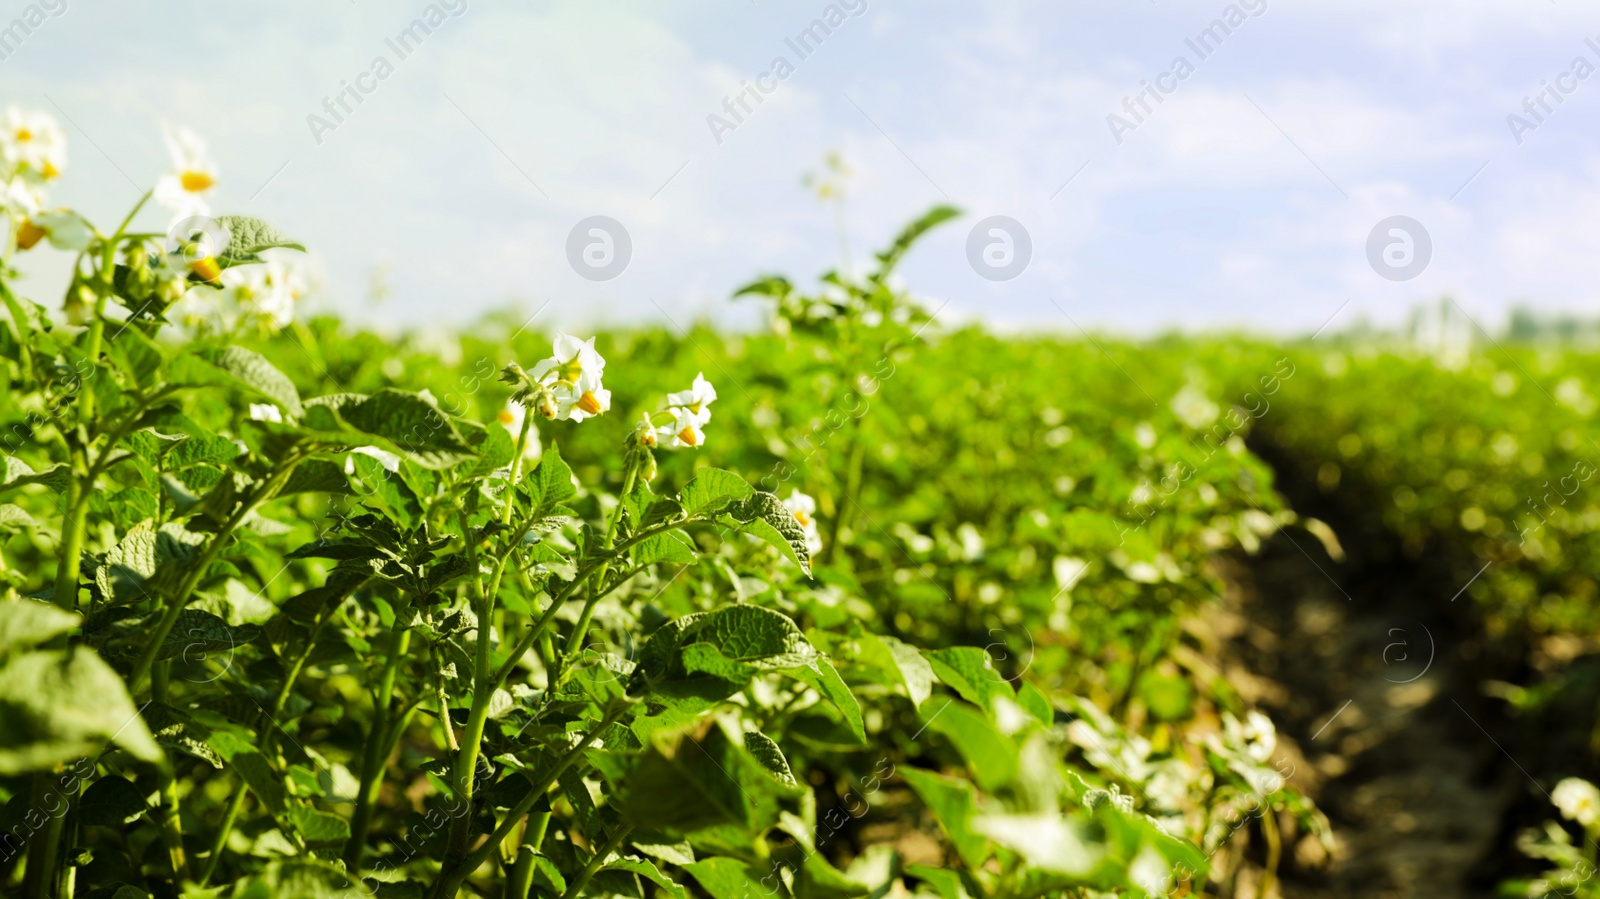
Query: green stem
[[68, 568], [457, 870], [575, 888], [516, 466], [39, 882], [521, 879], [629, 476], [375, 755], [180, 599]]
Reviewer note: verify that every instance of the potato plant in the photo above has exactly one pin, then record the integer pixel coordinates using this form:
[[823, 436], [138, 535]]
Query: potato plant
[[486, 628]]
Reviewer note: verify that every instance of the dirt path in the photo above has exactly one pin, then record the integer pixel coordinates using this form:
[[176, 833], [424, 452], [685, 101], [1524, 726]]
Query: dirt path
[[1371, 683]]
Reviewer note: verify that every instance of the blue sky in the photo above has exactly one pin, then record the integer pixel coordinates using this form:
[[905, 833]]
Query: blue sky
[[1245, 198]]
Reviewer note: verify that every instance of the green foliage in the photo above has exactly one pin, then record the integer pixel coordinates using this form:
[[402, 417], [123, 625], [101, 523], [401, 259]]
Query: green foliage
[[302, 643]]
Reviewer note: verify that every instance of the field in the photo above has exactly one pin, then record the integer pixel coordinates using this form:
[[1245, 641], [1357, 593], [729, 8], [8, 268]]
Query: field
[[857, 604]]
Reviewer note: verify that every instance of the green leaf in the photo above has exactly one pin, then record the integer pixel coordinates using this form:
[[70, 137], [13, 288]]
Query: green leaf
[[1035, 703], [680, 853], [111, 801], [240, 368], [247, 237], [930, 219], [729, 878], [143, 551], [303, 877], [20, 474], [763, 515], [902, 663], [179, 732], [199, 448], [826, 679], [646, 869], [732, 642], [319, 829], [319, 476], [946, 881], [396, 421], [551, 482], [991, 756], [15, 518], [764, 750], [26, 623], [970, 672], [954, 802], [57, 705], [701, 778], [711, 491], [775, 286], [671, 548], [495, 451], [197, 633], [253, 769], [547, 877]]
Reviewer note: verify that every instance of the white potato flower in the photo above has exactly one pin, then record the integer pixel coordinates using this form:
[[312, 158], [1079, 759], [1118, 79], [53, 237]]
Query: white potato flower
[[185, 189], [686, 429], [696, 398], [687, 414], [265, 412], [804, 509], [571, 378], [582, 399], [1578, 800], [570, 359], [267, 289], [32, 144], [1194, 408], [20, 198]]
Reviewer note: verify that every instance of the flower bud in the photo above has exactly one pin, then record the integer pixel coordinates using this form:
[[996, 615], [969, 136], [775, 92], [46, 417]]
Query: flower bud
[[80, 304], [172, 290], [28, 235]]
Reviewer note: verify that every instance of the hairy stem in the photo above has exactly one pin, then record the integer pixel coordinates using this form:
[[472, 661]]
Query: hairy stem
[[457, 870], [376, 753], [575, 888]]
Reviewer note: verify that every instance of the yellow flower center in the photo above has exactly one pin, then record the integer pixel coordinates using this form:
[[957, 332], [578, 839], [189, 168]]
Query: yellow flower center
[[195, 182], [24, 134], [687, 435], [589, 403], [206, 268], [50, 171], [803, 518], [506, 418]]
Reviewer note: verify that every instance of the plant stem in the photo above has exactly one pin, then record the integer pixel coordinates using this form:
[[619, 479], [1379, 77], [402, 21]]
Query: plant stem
[[180, 599], [39, 882], [516, 467], [629, 476], [374, 757], [575, 888], [521, 879], [1269, 832], [457, 869]]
